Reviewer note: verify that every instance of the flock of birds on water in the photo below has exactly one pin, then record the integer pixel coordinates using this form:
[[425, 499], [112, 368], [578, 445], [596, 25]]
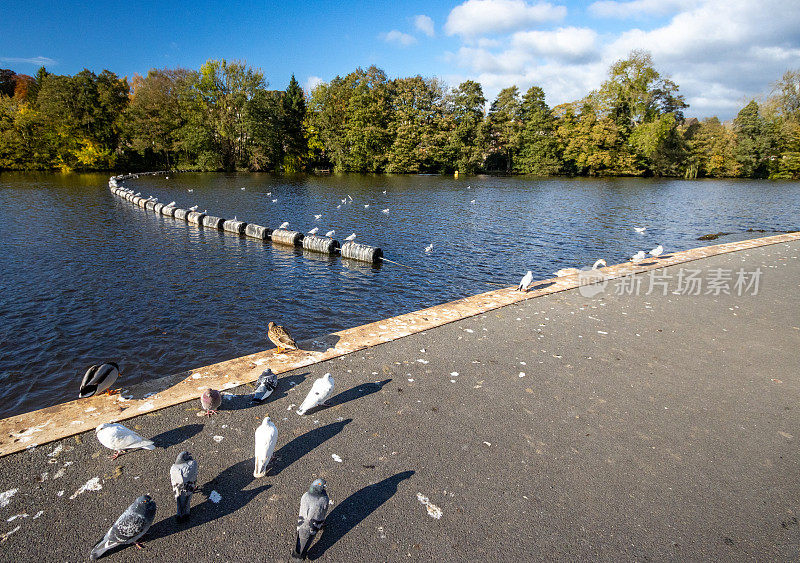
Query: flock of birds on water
[[136, 520]]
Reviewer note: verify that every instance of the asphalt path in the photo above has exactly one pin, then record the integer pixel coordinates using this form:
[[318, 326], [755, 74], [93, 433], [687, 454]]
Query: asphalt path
[[616, 426]]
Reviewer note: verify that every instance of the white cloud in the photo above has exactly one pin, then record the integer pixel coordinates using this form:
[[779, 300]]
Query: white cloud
[[566, 43], [399, 38], [424, 24], [480, 17], [622, 10], [37, 61], [312, 82]]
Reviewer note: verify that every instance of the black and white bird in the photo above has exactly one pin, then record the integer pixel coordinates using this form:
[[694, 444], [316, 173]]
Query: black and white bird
[[313, 510], [98, 378], [129, 527], [266, 384], [183, 475]]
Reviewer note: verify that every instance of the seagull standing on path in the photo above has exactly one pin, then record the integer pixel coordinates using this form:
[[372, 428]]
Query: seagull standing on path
[[657, 251], [525, 282], [638, 257]]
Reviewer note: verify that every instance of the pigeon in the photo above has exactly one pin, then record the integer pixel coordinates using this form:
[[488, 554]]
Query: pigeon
[[525, 282], [98, 378], [193, 208], [638, 257], [329, 234], [317, 217], [183, 474], [284, 225], [313, 231], [266, 384], [640, 229], [279, 336], [657, 251], [210, 400], [320, 391], [129, 527], [385, 211], [429, 248], [266, 438], [313, 509], [350, 237], [117, 437]]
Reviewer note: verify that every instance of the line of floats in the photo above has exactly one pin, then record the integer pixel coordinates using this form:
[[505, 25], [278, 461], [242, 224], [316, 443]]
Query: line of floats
[[314, 243]]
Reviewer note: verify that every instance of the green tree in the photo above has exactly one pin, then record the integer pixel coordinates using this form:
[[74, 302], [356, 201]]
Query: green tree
[[539, 145], [504, 127], [755, 142], [467, 114], [293, 115]]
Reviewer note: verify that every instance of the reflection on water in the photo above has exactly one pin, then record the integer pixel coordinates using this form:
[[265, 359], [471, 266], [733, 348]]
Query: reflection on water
[[88, 277]]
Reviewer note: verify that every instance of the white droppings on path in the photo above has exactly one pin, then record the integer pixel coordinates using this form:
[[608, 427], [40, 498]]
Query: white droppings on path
[[469, 330], [92, 484], [37, 515], [149, 405], [522, 374], [453, 374], [423, 361], [336, 458], [60, 493], [433, 510], [218, 439], [57, 450], [91, 409], [6, 497], [215, 497]]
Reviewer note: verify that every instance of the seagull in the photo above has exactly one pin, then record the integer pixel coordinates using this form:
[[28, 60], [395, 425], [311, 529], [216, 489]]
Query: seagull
[[190, 190], [274, 201], [571, 271], [269, 193], [313, 231], [366, 205], [384, 191], [339, 206], [638, 257], [329, 234], [137, 194], [284, 225], [473, 201], [193, 208], [525, 282], [344, 200], [386, 211], [317, 217], [171, 204], [429, 248], [657, 251], [640, 229], [351, 197], [166, 177], [351, 237], [242, 189]]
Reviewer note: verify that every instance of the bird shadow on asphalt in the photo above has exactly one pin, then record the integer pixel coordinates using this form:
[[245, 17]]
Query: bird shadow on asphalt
[[352, 394], [351, 511], [230, 485], [176, 435], [303, 444], [539, 286], [238, 402]]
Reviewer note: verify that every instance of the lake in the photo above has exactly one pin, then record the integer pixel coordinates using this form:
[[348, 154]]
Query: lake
[[88, 277]]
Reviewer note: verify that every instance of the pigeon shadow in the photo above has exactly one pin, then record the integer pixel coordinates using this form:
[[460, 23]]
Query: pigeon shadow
[[351, 511], [357, 392], [238, 402], [539, 286], [230, 485], [303, 444], [176, 435]]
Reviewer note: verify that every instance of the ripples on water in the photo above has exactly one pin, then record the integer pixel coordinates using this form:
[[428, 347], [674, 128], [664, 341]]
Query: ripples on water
[[87, 277]]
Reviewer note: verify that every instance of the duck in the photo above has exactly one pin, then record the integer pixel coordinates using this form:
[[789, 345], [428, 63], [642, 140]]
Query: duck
[[99, 378], [280, 338]]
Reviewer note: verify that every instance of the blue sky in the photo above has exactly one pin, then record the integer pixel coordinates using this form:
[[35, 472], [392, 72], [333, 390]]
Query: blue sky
[[720, 53]]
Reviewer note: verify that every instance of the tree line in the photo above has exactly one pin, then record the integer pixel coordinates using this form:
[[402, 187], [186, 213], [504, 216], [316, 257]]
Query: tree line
[[224, 117]]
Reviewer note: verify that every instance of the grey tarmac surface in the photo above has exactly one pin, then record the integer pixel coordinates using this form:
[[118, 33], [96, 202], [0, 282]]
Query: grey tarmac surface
[[611, 427]]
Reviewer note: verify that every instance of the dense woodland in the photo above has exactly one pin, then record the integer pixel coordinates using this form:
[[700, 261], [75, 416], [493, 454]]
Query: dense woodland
[[224, 117]]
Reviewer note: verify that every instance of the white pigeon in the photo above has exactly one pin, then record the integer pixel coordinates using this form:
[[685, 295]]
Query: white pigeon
[[386, 211], [137, 194], [638, 257], [429, 248], [193, 208], [317, 217], [313, 231], [329, 234], [350, 237], [320, 391], [640, 229], [117, 437], [266, 438], [657, 251], [284, 225], [525, 282]]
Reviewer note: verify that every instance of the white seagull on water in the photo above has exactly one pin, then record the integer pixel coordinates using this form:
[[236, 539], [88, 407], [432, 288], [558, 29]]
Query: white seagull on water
[[429, 247], [640, 229]]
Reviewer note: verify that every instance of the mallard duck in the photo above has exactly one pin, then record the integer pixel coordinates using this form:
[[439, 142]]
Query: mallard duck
[[280, 338], [99, 378]]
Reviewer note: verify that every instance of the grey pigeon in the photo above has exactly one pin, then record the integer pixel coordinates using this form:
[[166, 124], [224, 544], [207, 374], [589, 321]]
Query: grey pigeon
[[210, 401], [183, 475], [129, 527], [313, 509], [266, 384]]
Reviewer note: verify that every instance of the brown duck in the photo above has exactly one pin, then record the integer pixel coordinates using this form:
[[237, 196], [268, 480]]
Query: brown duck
[[280, 338]]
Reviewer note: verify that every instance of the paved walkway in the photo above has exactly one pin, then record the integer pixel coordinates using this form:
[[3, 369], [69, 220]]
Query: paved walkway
[[617, 426]]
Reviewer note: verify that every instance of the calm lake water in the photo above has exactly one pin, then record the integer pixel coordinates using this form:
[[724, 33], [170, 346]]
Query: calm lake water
[[87, 277]]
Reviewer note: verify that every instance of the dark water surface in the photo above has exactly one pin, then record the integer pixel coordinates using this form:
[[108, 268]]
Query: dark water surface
[[87, 277]]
